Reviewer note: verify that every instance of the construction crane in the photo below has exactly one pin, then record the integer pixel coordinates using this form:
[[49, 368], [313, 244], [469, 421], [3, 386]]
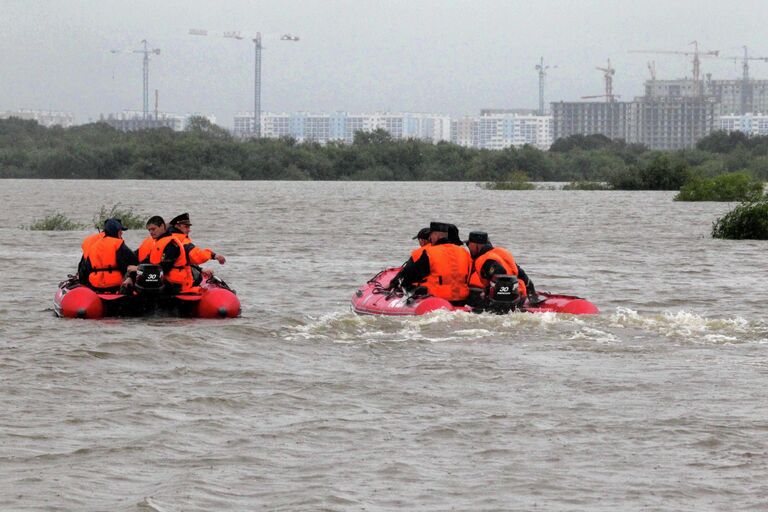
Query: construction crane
[[542, 69], [257, 68], [745, 86], [147, 52], [608, 73], [697, 55], [609, 99]]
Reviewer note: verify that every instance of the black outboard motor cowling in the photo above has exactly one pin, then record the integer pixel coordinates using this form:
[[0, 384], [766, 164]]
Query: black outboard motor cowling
[[503, 294], [149, 278]]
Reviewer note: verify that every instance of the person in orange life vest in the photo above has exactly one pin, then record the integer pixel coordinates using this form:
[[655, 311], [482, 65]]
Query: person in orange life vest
[[443, 266], [156, 227], [82, 270], [108, 259], [488, 261], [180, 227], [163, 249]]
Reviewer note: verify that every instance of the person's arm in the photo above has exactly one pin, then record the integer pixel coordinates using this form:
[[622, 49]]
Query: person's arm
[[126, 258], [531, 290], [414, 271]]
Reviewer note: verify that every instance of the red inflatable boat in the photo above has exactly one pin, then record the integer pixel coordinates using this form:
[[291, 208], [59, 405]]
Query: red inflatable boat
[[215, 300], [374, 298]]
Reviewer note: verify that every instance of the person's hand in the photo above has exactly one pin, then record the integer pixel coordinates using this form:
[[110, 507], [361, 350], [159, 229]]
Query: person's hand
[[207, 273], [132, 268], [221, 259]]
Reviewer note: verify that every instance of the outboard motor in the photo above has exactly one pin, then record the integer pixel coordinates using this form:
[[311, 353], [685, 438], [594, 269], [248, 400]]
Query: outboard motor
[[504, 294], [149, 278]]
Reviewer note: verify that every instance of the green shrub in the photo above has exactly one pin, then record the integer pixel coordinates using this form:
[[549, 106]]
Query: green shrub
[[127, 216], [661, 173], [748, 221], [586, 185], [735, 186], [515, 181], [55, 222]]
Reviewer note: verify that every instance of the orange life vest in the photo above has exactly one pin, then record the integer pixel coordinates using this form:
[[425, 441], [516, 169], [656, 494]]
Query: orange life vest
[[89, 241], [145, 249], [501, 256], [197, 256], [102, 255], [449, 267], [417, 252], [180, 273]]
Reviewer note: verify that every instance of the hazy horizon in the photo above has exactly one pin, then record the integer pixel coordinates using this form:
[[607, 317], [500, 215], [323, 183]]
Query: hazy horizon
[[453, 58]]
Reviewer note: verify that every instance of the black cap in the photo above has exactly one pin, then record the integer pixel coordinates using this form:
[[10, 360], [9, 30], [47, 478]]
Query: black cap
[[478, 237], [423, 234], [112, 226], [181, 219], [439, 226]]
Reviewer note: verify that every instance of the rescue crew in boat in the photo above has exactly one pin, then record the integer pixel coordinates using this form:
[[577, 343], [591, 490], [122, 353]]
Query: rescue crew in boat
[[163, 249], [107, 260], [443, 266], [489, 261], [180, 228]]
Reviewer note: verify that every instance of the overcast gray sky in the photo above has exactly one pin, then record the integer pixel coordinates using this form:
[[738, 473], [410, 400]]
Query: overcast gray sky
[[452, 57]]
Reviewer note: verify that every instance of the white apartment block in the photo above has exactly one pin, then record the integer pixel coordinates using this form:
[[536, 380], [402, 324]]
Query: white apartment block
[[342, 126], [502, 130], [751, 124], [131, 120], [45, 118]]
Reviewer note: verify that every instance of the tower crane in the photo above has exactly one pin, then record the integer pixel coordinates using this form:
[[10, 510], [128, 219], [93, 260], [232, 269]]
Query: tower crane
[[696, 60], [256, 38], [145, 68], [746, 86], [608, 73], [542, 69]]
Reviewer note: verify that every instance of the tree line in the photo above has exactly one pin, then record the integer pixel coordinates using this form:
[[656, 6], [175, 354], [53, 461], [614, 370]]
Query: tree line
[[206, 151]]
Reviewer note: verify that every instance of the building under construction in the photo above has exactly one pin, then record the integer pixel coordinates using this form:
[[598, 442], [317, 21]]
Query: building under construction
[[658, 122]]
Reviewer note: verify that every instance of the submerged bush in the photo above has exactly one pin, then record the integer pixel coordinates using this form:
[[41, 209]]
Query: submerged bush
[[661, 173], [735, 186], [748, 221], [127, 216], [55, 222], [515, 181], [586, 185]]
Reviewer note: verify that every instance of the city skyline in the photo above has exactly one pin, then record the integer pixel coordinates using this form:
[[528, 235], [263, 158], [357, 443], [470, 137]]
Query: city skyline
[[453, 58]]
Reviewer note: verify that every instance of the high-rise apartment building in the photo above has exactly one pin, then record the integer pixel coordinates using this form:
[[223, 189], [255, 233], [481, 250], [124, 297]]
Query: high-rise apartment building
[[342, 126], [496, 129], [730, 96], [751, 124], [674, 122], [45, 118], [131, 120], [615, 119]]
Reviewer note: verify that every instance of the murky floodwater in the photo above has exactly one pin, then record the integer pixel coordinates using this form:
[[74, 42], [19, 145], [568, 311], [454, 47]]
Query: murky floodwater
[[659, 403]]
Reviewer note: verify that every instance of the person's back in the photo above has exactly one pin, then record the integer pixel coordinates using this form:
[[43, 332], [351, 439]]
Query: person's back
[[108, 259], [443, 267], [82, 269], [489, 261], [449, 267]]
